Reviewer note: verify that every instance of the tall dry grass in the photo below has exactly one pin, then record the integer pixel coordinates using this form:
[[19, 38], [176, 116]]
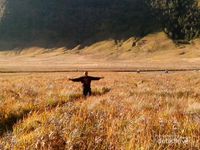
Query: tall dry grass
[[127, 111]]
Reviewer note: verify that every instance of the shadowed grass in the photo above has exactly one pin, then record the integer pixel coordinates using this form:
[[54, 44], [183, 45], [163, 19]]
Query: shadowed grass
[[8, 120]]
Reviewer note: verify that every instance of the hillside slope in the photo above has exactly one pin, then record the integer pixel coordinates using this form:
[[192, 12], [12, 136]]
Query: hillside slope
[[155, 51]]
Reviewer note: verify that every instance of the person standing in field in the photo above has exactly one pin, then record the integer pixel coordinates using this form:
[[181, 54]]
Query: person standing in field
[[86, 83]]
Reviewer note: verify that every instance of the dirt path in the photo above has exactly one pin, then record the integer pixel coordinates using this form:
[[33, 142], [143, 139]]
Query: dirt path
[[108, 70]]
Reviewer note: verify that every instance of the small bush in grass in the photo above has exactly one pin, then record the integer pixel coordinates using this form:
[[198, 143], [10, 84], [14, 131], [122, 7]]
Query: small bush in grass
[[51, 102], [102, 91]]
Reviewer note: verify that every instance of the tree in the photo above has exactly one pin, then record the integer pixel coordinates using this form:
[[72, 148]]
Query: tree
[[179, 18]]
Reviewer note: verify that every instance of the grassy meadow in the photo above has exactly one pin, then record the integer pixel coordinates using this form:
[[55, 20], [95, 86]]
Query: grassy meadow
[[127, 111]]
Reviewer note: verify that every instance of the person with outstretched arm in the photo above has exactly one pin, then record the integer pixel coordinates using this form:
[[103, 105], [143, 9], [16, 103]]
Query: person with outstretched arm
[[86, 83]]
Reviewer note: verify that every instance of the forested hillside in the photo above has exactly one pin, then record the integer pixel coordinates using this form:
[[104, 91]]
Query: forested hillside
[[74, 19], [79, 20]]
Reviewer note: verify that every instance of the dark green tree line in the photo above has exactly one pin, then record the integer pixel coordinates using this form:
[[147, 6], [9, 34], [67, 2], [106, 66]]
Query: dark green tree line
[[180, 19]]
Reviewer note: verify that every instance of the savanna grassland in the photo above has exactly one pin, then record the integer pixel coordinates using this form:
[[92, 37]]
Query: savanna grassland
[[127, 111]]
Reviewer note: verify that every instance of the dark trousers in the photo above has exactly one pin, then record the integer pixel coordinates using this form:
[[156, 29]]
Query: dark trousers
[[87, 92]]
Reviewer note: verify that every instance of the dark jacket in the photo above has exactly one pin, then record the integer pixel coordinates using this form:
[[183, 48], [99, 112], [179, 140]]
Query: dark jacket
[[85, 80]]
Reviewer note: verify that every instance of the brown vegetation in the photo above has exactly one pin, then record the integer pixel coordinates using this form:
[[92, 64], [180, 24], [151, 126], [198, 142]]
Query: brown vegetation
[[127, 111]]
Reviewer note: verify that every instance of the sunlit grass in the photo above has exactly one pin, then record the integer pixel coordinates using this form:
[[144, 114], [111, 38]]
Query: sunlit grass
[[126, 111]]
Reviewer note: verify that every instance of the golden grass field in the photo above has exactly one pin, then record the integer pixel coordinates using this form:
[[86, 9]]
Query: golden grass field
[[127, 111]]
